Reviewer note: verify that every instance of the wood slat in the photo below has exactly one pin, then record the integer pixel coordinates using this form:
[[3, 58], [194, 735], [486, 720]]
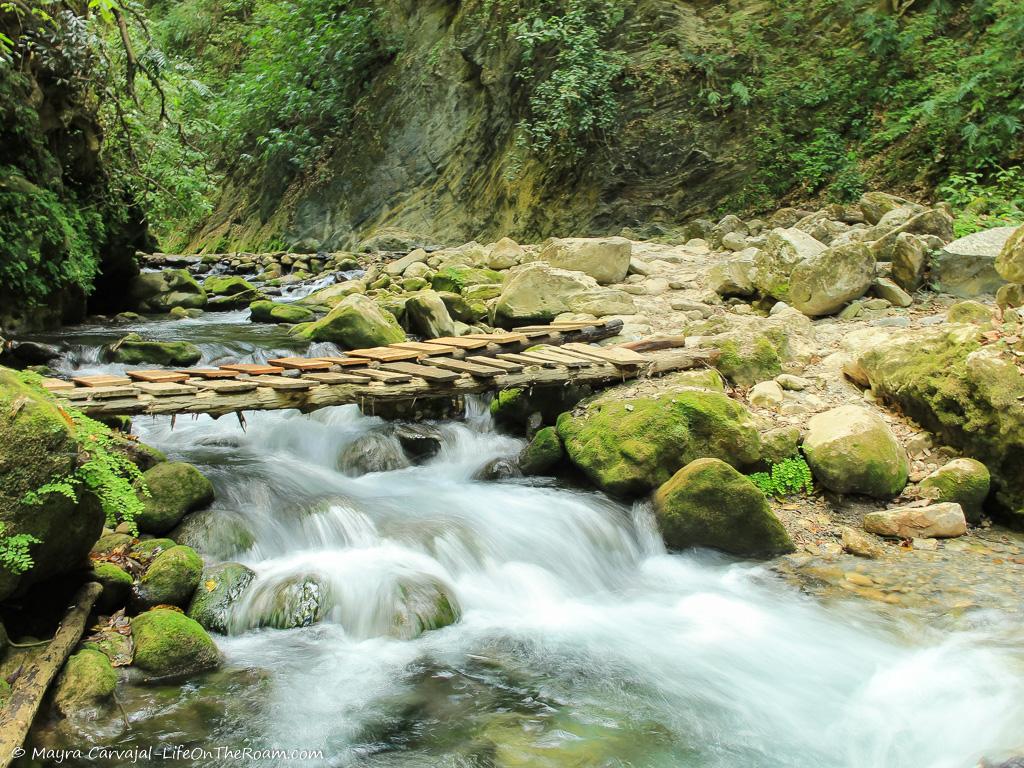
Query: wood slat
[[344, 362], [561, 352], [384, 354], [425, 349], [533, 362], [337, 378], [461, 342], [614, 355], [464, 366], [498, 338], [301, 363], [102, 380], [505, 365], [574, 326], [56, 385], [156, 377], [209, 373], [99, 393], [253, 369], [281, 382], [224, 386], [164, 388], [426, 372], [569, 362], [387, 377]]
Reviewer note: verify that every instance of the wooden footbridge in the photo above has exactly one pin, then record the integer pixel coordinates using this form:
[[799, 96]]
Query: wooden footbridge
[[550, 355]]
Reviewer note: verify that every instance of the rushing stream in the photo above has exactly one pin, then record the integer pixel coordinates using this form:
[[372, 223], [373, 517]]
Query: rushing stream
[[581, 642]]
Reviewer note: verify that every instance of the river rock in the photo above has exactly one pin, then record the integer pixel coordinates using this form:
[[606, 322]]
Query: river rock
[[605, 259], [501, 468], [171, 578], [117, 586], [963, 481], [169, 643], [1010, 261], [967, 267], [356, 322], [218, 533], [372, 452], [421, 605], [543, 453], [421, 442], [399, 266], [909, 261], [457, 278], [766, 394], [937, 521], [219, 587], [627, 448], [175, 489], [733, 278], [860, 543], [134, 350], [708, 503], [504, 254], [279, 312], [333, 295], [538, 292], [825, 282], [850, 449], [783, 249], [428, 315], [160, 291], [38, 444], [296, 602], [516, 408], [85, 688]]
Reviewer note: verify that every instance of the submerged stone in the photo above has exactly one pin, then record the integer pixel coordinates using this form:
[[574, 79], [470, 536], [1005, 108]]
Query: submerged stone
[[219, 587]]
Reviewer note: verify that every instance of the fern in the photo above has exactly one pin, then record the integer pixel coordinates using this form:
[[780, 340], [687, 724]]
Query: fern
[[790, 476], [14, 551]]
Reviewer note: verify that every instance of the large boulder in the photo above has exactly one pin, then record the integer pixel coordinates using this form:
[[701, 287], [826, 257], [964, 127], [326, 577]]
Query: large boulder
[[428, 315], [504, 254], [909, 261], [227, 292], [219, 587], [38, 445], [875, 205], [332, 295], [538, 292], [931, 222], [134, 350], [629, 447], [708, 503], [279, 312], [169, 643], [936, 521], [852, 450], [356, 322], [962, 481], [86, 685], [1010, 261], [175, 489], [967, 394], [733, 277], [160, 291], [967, 267], [825, 283], [171, 578], [605, 259], [783, 249], [398, 266]]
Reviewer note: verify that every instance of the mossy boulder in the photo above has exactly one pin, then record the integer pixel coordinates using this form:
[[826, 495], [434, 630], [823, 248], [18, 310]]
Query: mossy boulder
[[171, 578], [278, 312], [295, 602], [111, 542], [356, 322], [219, 586], [455, 278], [169, 643], [779, 444], [520, 410], [751, 358], [38, 445], [219, 533], [428, 315], [147, 549], [850, 449], [708, 503], [782, 251], [226, 285], [134, 350], [1010, 261], [629, 447], [962, 481], [117, 586], [968, 395], [543, 453], [969, 312], [463, 309], [160, 291], [86, 685], [333, 295], [175, 489]]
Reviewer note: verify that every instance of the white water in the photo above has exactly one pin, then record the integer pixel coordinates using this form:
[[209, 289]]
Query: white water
[[581, 642]]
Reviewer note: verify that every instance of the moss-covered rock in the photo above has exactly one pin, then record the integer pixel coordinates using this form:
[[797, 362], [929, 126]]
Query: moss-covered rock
[[355, 323], [423, 605], [134, 350], [278, 312], [169, 643], [463, 309], [219, 533], [226, 285], [175, 488], [969, 395], [963, 481], [86, 685], [779, 444], [296, 602], [629, 447], [969, 312], [160, 291], [543, 453], [852, 450], [117, 586], [455, 278], [147, 549], [219, 586], [746, 361], [520, 410], [38, 445], [708, 503], [333, 295], [111, 542], [1010, 261], [171, 578]]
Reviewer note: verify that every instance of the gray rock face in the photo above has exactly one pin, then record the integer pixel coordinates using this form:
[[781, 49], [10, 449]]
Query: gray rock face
[[967, 267]]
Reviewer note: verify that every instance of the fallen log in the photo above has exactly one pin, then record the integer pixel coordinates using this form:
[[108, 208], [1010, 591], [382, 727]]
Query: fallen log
[[41, 668]]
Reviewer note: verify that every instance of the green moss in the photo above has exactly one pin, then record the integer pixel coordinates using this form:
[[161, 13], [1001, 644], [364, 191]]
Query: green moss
[[117, 586], [87, 682], [962, 481], [169, 643], [134, 350], [970, 312], [219, 586], [355, 323], [175, 488], [513, 409], [275, 312], [226, 285], [543, 453], [171, 578], [454, 279], [746, 363]]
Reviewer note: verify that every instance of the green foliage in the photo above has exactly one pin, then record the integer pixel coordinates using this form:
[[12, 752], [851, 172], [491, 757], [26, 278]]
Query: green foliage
[[983, 202], [14, 551], [789, 476]]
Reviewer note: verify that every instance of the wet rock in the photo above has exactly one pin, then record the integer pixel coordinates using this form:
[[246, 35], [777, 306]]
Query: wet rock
[[850, 449], [1010, 261], [160, 291], [175, 489], [295, 602], [543, 453], [217, 533], [169, 643], [278, 312], [219, 587], [171, 578], [372, 452], [861, 544], [421, 442], [938, 521], [356, 322], [708, 503], [967, 267], [606, 260], [512, 409], [963, 481], [134, 350], [85, 688], [21, 353], [501, 468], [117, 587], [627, 448], [423, 604]]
